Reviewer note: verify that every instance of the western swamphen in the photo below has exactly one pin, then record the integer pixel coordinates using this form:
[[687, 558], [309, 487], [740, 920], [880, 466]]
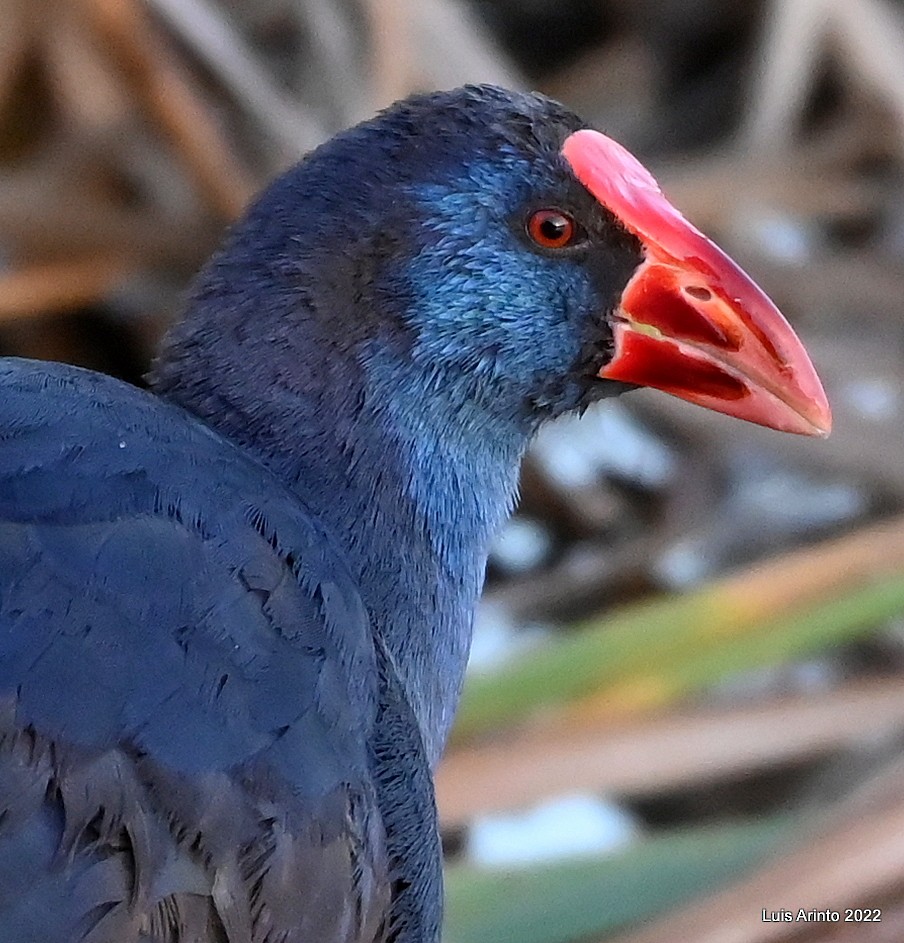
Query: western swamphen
[[235, 615]]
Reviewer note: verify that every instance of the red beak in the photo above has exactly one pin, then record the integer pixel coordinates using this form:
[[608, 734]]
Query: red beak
[[690, 321]]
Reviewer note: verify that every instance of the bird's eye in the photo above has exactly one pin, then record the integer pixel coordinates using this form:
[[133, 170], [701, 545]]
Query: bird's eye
[[552, 229]]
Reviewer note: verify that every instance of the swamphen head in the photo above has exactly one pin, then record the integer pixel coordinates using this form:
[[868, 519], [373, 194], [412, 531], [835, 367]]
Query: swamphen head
[[519, 263]]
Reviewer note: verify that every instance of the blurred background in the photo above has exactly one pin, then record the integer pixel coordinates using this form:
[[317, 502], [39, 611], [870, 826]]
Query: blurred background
[[685, 712]]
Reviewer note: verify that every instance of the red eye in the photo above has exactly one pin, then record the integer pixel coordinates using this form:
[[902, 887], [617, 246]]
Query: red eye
[[552, 229]]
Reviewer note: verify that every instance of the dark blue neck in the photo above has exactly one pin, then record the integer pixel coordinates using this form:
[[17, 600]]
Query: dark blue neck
[[413, 486]]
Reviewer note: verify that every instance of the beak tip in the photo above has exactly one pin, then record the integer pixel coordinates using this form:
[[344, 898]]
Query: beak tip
[[823, 429], [819, 432], [817, 419], [819, 412]]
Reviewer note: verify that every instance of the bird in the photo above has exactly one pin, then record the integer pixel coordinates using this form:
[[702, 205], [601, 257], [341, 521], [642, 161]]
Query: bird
[[236, 606]]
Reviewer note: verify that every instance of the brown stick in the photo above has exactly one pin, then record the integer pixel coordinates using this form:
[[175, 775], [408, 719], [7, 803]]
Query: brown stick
[[857, 858], [392, 74], [663, 752], [41, 220], [172, 102], [803, 577], [57, 287], [203, 26], [16, 37], [86, 87]]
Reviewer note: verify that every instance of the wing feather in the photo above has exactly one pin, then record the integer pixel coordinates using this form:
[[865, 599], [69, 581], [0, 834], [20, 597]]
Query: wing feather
[[188, 686]]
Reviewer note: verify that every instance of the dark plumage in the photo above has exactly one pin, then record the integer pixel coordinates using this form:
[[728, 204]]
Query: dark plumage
[[235, 613]]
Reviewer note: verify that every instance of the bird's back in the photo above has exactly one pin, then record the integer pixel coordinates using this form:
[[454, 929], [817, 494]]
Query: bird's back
[[188, 686]]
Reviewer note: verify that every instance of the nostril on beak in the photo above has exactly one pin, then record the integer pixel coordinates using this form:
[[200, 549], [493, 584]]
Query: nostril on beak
[[698, 292]]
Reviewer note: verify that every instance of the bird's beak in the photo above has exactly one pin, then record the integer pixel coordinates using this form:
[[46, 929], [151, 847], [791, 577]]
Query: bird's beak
[[690, 322]]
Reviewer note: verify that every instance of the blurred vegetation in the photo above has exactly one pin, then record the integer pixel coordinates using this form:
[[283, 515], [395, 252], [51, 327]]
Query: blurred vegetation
[[572, 899], [692, 622]]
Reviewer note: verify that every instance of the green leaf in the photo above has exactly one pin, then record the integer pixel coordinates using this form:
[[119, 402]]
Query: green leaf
[[586, 898], [647, 655]]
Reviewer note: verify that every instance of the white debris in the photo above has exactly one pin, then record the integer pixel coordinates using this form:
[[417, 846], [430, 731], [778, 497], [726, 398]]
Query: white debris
[[562, 827]]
